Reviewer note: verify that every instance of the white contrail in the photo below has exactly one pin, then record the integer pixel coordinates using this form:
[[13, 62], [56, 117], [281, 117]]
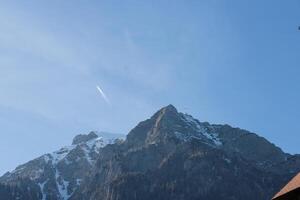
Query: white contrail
[[103, 94]]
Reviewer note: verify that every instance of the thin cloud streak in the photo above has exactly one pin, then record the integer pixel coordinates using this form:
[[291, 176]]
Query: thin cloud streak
[[103, 95]]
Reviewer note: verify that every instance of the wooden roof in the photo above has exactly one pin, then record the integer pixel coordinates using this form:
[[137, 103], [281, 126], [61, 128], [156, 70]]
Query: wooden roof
[[293, 185]]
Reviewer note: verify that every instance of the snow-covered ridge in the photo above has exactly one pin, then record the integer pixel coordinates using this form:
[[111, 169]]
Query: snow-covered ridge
[[201, 131], [92, 145], [89, 147], [60, 166]]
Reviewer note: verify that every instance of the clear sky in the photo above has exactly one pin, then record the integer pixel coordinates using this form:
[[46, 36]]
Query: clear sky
[[234, 62]]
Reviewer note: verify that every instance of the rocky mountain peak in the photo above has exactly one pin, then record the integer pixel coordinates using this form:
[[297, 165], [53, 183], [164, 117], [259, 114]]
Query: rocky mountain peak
[[166, 112], [195, 158], [170, 148], [81, 138], [170, 109], [58, 174], [169, 123]]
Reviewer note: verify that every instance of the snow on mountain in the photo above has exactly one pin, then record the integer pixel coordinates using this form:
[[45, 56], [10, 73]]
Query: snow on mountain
[[202, 130], [170, 148], [59, 174]]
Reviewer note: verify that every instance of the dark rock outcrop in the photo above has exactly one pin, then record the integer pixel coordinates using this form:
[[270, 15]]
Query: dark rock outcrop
[[82, 138], [24, 189]]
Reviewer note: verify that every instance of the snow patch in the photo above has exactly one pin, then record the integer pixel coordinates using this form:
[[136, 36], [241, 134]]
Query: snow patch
[[87, 152], [90, 148], [62, 186], [227, 160], [59, 155], [42, 185], [201, 131], [47, 158], [78, 181]]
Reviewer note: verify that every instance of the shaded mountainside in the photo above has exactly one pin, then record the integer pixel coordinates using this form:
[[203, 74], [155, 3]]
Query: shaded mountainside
[[169, 156], [57, 175], [174, 156], [24, 189]]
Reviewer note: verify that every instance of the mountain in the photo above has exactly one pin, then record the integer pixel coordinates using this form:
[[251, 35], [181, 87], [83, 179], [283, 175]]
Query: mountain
[[174, 156], [22, 190], [169, 156], [59, 174]]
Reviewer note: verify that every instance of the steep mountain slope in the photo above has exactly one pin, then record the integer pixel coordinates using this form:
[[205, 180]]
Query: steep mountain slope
[[169, 156], [22, 190], [58, 174], [174, 156]]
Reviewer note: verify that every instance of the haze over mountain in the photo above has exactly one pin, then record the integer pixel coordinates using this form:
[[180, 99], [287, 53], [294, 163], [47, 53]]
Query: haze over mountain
[[169, 156]]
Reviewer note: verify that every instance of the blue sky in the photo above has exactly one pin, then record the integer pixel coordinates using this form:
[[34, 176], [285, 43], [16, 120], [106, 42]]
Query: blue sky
[[234, 62]]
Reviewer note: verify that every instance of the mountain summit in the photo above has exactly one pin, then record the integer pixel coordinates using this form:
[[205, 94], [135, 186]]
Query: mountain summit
[[84, 138], [57, 175], [175, 156], [168, 156]]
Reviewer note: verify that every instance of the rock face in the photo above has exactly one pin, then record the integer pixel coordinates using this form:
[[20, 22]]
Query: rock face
[[84, 138], [174, 156], [24, 189], [169, 156], [59, 174]]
